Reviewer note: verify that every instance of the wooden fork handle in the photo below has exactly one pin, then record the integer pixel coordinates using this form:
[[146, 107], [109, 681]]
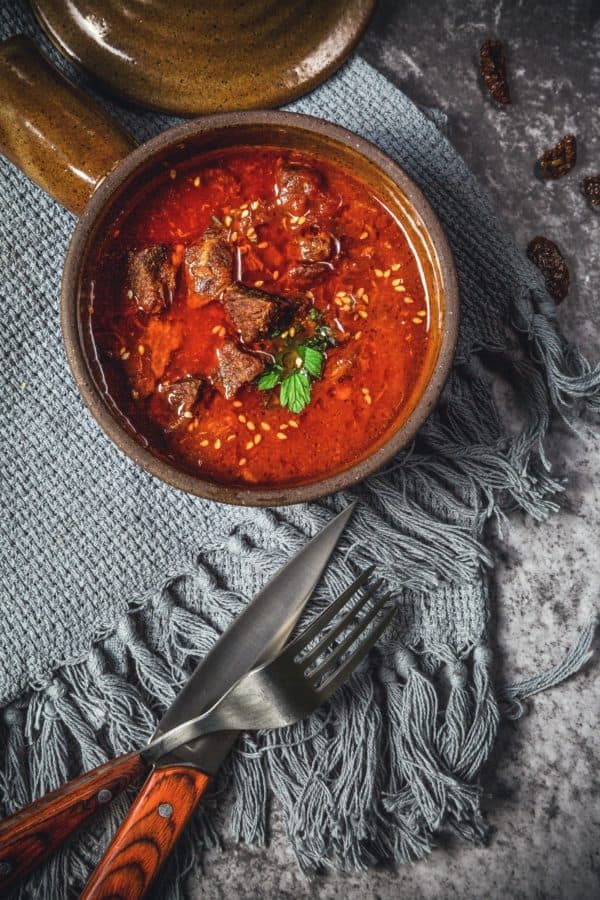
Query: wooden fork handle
[[146, 837], [29, 836]]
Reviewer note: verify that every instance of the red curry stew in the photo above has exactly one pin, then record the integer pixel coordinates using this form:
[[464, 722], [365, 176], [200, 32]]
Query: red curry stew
[[260, 318]]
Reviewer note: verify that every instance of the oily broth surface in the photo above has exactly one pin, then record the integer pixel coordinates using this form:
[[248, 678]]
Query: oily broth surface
[[373, 300]]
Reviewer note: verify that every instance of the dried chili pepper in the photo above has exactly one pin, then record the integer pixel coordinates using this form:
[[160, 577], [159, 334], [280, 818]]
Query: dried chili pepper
[[591, 189], [493, 68], [547, 257], [560, 159]]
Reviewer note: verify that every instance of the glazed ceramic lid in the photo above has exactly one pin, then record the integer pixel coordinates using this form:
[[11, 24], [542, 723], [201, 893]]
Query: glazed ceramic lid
[[192, 58]]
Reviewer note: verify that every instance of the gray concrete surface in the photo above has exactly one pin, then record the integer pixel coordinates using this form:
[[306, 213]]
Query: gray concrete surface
[[542, 786]]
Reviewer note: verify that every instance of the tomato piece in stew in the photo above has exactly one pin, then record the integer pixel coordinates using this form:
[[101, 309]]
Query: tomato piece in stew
[[260, 318]]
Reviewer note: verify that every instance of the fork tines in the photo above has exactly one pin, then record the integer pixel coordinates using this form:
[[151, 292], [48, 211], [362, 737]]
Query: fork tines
[[350, 642]]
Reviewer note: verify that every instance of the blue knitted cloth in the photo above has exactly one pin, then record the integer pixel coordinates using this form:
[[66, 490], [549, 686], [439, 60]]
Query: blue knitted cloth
[[113, 584]]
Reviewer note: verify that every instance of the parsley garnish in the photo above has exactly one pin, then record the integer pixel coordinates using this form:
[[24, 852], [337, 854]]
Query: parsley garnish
[[295, 391], [296, 366]]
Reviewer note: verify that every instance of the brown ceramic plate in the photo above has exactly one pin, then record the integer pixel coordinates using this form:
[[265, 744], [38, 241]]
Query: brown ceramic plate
[[188, 59]]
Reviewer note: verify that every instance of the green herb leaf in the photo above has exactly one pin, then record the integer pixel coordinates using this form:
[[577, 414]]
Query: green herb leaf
[[270, 378], [312, 359], [315, 315], [295, 391]]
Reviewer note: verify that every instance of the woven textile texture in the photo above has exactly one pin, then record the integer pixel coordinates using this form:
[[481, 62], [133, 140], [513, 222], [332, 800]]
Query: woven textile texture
[[113, 584]]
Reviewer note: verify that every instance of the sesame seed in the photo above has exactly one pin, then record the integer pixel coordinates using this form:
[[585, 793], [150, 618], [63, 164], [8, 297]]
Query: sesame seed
[[363, 313], [188, 415], [395, 281], [408, 299], [298, 362], [262, 245], [244, 214], [358, 335], [250, 426], [257, 439], [282, 436], [293, 219], [423, 312], [237, 404], [227, 220], [242, 419], [301, 220], [234, 237], [400, 288], [125, 355], [364, 235], [242, 461], [135, 395], [197, 181], [130, 295], [204, 443], [387, 273], [292, 331], [244, 206], [217, 444], [417, 321], [173, 173], [360, 292], [368, 399], [338, 302], [230, 437], [310, 295], [275, 275], [259, 283], [254, 204], [215, 329], [394, 267], [379, 273], [292, 423], [141, 349], [222, 331], [284, 334], [249, 445], [265, 426], [283, 426]]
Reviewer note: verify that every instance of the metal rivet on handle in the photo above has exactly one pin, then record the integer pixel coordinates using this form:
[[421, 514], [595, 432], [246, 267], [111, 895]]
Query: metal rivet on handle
[[5, 868], [104, 796], [165, 810]]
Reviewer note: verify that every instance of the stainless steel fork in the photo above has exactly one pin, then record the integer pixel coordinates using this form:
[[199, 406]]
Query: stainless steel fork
[[300, 679]]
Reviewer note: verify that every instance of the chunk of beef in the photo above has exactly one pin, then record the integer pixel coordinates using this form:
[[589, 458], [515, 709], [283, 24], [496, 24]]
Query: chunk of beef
[[152, 278], [306, 274], [177, 401], [295, 186], [236, 368], [313, 247], [208, 267], [255, 313]]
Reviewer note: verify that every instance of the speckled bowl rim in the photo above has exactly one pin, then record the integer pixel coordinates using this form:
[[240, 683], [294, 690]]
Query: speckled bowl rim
[[82, 370], [275, 97]]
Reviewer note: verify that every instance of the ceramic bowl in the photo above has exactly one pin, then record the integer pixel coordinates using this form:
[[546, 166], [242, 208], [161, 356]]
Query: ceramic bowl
[[109, 192]]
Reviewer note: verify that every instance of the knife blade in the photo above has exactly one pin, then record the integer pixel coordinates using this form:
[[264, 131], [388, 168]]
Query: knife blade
[[255, 637]]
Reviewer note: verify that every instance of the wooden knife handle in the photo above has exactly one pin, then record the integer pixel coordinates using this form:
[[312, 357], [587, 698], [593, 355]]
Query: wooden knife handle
[[34, 832], [157, 817]]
